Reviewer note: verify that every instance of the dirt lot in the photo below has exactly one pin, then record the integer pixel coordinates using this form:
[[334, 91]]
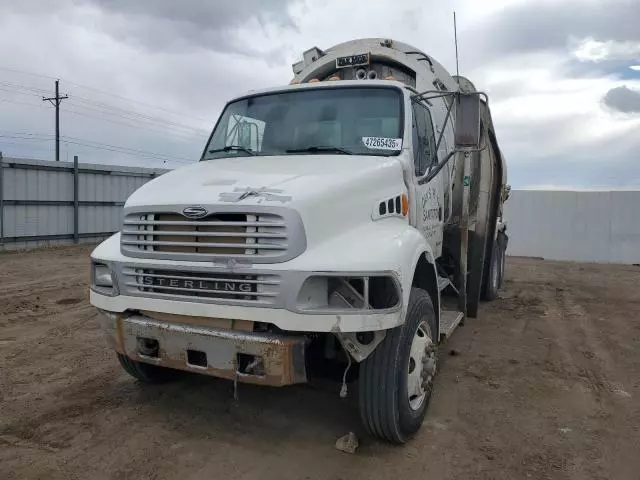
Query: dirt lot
[[545, 384]]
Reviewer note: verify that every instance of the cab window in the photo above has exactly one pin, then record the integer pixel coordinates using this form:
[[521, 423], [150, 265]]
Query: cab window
[[424, 145]]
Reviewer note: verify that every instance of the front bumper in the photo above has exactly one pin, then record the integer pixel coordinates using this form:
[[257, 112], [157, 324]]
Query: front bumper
[[220, 352], [281, 318]]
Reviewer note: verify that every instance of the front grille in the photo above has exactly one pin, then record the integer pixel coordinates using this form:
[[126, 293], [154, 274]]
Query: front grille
[[260, 237], [178, 284]]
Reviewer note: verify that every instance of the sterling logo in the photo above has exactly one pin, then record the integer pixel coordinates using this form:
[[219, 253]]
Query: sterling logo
[[220, 286], [195, 212]]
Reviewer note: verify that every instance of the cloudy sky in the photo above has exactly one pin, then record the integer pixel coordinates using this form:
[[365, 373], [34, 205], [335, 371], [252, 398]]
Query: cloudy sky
[[146, 80]]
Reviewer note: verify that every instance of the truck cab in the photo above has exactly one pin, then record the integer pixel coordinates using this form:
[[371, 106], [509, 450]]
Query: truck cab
[[324, 224]]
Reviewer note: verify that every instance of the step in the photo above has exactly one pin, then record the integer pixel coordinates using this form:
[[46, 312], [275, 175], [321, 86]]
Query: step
[[449, 321]]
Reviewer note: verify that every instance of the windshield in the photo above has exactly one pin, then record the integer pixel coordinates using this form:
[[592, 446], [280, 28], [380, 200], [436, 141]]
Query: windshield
[[357, 121]]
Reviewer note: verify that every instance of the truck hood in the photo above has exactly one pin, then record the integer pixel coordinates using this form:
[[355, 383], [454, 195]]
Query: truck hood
[[296, 178], [332, 193]]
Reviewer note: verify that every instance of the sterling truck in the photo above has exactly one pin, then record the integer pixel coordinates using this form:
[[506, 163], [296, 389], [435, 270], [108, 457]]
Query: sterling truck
[[352, 218]]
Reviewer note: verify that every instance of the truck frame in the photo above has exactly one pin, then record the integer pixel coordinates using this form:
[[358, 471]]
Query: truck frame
[[351, 219]]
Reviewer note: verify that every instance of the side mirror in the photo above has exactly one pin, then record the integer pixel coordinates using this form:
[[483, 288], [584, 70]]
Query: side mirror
[[467, 131]]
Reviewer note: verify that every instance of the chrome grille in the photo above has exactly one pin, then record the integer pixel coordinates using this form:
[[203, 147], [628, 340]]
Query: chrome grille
[[178, 284], [258, 236]]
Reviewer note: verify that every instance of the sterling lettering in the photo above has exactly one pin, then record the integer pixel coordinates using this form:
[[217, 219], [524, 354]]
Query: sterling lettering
[[179, 283]]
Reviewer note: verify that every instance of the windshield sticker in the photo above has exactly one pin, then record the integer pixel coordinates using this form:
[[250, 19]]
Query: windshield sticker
[[381, 143]]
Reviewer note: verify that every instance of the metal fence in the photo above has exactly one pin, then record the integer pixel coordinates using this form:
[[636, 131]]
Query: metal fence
[[44, 203]]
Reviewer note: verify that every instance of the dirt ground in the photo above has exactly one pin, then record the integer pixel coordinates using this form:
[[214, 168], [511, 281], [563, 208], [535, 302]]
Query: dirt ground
[[544, 384]]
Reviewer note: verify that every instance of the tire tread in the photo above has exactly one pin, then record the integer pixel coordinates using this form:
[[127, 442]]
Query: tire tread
[[379, 382]]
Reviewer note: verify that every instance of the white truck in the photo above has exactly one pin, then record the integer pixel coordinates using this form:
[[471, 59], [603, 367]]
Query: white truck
[[352, 218]]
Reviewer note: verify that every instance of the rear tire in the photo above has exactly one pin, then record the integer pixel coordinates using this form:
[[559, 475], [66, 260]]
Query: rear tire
[[145, 372], [502, 241], [493, 279], [396, 380]]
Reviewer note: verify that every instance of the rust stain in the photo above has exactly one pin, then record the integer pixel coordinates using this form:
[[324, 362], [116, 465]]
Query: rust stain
[[119, 326], [269, 379], [221, 323], [282, 356], [112, 343], [278, 364]]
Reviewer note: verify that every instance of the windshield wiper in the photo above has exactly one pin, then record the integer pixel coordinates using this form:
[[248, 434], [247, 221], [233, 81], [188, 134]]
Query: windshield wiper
[[319, 148], [233, 148]]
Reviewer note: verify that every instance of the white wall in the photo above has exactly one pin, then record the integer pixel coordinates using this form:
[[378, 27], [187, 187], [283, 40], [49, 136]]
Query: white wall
[[582, 226]]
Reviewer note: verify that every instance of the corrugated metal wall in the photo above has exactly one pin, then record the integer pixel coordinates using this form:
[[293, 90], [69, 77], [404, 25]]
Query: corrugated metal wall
[[580, 226], [38, 200]]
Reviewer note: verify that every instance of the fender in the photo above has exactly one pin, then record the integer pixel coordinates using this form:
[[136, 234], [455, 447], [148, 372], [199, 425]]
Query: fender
[[424, 276], [390, 244]]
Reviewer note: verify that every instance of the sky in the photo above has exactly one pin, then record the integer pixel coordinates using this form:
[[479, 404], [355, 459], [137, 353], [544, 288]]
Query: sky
[[147, 79]]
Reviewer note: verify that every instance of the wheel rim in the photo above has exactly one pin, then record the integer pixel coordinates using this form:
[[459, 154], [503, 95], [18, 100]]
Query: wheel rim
[[422, 365]]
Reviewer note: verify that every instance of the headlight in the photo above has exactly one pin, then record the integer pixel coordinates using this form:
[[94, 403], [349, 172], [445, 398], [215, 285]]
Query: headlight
[[102, 276], [102, 279]]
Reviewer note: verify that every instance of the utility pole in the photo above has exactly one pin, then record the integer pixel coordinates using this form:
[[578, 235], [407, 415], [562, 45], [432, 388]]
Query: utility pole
[[55, 101]]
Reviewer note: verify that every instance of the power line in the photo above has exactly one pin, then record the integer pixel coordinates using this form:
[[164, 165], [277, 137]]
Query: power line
[[31, 147], [19, 86], [167, 132], [125, 152], [135, 116], [105, 108], [107, 145], [104, 146], [19, 92], [83, 141], [131, 125], [140, 103], [38, 134], [10, 69], [22, 103], [26, 138], [86, 142]]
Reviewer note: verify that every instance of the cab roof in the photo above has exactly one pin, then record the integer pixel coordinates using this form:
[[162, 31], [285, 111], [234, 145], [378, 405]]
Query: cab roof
[[324, 85]]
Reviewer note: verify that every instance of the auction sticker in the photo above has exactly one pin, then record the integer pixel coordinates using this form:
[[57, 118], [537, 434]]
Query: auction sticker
[[381, 143]]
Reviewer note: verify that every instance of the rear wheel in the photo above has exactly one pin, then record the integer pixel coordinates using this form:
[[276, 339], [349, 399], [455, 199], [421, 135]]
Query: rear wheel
[[145, 372], [495, 269], [396, 380]]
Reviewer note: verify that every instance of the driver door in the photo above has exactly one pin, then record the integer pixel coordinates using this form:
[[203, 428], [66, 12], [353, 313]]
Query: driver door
[[429, 196]]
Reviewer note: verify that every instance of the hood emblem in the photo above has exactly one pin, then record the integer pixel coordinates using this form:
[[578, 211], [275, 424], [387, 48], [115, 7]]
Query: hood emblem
[[269, 194], [195, 212]]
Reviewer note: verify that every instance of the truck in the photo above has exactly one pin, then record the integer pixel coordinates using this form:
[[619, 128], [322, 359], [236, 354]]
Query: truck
[[348, 221]]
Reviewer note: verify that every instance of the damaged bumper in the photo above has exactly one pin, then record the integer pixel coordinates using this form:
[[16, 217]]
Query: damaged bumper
[[250, 357]]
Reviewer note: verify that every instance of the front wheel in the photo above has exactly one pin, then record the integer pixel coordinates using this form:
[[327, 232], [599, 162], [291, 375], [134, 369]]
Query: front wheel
[[396, 380]]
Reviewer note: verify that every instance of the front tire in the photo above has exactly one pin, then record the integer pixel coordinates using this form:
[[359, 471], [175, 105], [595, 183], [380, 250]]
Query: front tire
[[145, 372], [396, 380]]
